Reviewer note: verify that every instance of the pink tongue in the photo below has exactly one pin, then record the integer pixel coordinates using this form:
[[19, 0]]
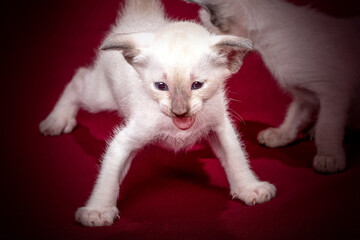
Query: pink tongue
[[184, 123]]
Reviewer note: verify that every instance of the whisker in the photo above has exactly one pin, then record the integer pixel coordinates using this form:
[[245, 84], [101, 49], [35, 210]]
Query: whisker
[[235, 100], [232, 92], [236, 115]]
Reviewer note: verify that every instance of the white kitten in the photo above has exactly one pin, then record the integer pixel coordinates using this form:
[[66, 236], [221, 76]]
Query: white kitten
[[167, 80], [313, 56]]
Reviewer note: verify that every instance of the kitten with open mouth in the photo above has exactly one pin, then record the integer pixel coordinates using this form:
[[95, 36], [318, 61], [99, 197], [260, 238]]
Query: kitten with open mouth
[[167, 79]]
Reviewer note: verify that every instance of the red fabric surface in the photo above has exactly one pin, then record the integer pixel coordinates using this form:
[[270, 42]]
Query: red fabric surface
[[165, 195]]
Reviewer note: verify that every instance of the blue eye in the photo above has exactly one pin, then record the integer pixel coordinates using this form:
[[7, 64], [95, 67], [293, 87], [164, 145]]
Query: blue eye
[[196, 85], [161, 86]]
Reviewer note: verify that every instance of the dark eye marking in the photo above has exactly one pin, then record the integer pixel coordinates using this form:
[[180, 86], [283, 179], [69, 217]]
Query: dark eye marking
[[196, 85], [161, 86]]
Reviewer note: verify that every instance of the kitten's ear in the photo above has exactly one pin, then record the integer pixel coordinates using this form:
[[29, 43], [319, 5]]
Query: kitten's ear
[[231, 50], [131, 45]]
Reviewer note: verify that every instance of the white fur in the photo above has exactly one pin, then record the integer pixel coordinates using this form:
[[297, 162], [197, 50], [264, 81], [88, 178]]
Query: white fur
[[122, 78], [313, 56]]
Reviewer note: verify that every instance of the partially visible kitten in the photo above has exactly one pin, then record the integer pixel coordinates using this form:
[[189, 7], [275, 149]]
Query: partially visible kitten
[[313, 56], [167, 79]]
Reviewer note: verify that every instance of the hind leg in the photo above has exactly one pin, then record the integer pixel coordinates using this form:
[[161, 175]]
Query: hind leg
[[82, 91], [329, 135], [298, 117]]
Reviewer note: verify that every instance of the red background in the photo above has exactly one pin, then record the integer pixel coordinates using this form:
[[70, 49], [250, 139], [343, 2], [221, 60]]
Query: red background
[[164, 196]]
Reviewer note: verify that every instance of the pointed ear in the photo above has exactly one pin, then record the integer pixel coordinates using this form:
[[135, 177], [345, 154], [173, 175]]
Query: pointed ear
[[231, 50], [131, 45]]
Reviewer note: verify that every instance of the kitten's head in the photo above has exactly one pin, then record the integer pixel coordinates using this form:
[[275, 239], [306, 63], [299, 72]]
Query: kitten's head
[[182, 65]]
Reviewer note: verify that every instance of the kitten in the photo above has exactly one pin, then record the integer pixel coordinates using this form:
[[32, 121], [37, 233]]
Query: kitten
[[313, 56], [167, 79]]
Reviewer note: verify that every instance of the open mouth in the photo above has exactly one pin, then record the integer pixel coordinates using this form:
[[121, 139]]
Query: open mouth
[[184, 123]]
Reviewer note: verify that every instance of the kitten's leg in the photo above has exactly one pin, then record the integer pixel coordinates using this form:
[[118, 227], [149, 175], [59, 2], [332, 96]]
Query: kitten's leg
[[298, 117], [100, 209], [62, 117], [329, 134], [81, 91], [244, 184]]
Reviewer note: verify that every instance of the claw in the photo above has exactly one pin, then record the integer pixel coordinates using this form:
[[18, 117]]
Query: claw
[[233, 196]]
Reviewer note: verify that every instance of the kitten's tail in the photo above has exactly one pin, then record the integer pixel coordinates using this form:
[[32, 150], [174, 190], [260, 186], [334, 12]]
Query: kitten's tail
[[143, 7], [140, 16]]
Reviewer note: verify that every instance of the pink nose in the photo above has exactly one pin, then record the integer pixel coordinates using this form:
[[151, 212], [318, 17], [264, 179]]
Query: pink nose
[[179, 103]]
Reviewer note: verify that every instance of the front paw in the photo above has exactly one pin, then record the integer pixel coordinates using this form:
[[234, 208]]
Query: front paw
[[275, 137], [92, 217], [329, 164], [258, 192], [55, 125]]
